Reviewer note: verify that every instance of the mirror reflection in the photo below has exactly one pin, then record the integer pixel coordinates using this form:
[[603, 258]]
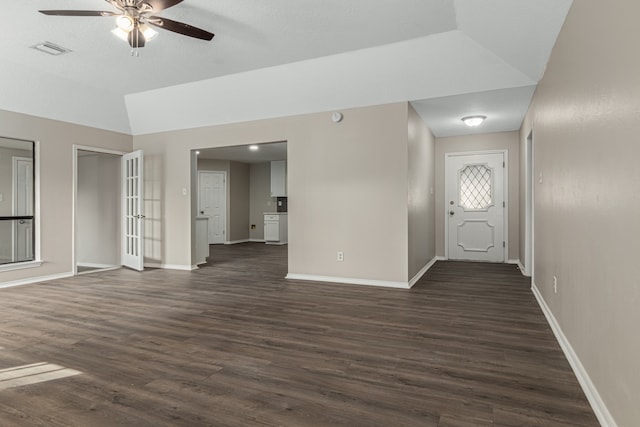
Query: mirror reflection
[[16, 200]]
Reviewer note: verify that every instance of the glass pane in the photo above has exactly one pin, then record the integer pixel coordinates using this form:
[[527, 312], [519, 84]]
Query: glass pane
[[16, 240], [475, 187]]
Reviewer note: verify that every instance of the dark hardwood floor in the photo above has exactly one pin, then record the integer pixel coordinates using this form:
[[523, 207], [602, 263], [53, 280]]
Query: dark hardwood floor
[[234, 344]]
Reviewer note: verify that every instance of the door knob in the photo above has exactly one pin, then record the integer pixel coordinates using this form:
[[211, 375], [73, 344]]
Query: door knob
[[451, 213]]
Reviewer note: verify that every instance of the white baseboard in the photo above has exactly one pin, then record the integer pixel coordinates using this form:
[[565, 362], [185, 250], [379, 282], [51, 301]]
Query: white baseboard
[[513, 261], [597, 404], [348, 280], [235, 242], [521, 267], [170, 266], [257, 240], [421, 273], [441, 258], [36, 280], [94, 265]]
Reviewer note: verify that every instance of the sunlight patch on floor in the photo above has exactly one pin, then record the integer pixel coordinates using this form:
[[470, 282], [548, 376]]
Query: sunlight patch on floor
[[32, 374]]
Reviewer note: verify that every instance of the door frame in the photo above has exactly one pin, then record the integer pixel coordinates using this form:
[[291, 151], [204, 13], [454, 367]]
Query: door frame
[[14, 203], [505, 219], [529, 207], [74, 210], [226, 203]]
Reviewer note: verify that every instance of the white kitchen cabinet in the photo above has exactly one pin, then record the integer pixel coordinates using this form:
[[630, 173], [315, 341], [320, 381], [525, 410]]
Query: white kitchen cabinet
[[275, 228], [279, 178]]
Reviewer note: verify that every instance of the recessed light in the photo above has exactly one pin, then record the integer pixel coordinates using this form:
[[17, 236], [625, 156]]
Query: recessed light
[[197, 153], [254, 148], [473, 121]]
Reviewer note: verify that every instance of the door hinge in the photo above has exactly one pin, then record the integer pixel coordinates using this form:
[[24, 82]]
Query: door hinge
[[504, 245], [504, 205], [503, 165]]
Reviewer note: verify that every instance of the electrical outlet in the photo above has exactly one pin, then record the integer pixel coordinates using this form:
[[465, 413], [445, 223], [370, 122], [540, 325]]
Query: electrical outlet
[[555, 285], [340, 256]]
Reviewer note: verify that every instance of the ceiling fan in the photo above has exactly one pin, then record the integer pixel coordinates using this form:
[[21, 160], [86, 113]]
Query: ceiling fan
[[134, 17]]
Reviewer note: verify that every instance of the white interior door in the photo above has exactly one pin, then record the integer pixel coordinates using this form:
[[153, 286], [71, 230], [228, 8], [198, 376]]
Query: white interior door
[[212, 203], [22, 206], [133, 210], [475, 207]]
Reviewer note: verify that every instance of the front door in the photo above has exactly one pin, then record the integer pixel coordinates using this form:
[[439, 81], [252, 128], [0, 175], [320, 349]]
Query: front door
[[212, 203], [475, 206], [133, 210]]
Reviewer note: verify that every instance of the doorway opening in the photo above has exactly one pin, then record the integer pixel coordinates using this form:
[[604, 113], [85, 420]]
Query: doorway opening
[[476, 206], [238, 192], [97, 210]]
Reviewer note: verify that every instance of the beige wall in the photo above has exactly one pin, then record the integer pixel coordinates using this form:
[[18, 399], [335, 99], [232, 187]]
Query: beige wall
[[421, 193], [586, 122], [260, 197], [490, 141], [238, 202], [56, 170], [347, 188]]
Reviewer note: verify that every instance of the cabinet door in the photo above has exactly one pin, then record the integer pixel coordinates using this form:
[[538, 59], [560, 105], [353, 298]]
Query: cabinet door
[[279, 178], [271, 231]]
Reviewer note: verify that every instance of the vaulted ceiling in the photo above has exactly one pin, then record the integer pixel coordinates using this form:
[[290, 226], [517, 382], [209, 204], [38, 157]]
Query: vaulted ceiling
[[273, 58]]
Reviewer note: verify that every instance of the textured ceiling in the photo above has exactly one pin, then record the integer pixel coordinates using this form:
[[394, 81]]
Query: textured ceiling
[[272, 58]]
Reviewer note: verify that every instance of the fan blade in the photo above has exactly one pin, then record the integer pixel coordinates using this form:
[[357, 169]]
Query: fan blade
[[136, 38], [157, 5], [78, 12], [180, 28]]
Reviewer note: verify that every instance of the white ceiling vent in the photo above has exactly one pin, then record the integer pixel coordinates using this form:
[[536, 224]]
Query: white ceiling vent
[[51, 48]]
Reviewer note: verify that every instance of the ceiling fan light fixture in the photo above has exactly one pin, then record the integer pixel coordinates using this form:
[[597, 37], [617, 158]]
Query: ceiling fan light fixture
[[120, 33], [148, 32], [125, 23], [473, 121]]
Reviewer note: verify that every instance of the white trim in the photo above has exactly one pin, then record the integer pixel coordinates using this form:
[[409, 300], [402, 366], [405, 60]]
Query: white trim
[[276, 243], [529, 191], [171, 266], [348, 280], [94, 265], [20, 265], [505, 183], [235, 242], [31, 280], [597, 404], [422, 271], [442, 258], [521, 267], [257, 240], [99, 270], [513, 261]]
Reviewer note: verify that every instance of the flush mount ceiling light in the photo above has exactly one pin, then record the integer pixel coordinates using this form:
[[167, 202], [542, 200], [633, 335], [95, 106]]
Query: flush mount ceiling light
[[133, 20], [254, 148], [473, 121]]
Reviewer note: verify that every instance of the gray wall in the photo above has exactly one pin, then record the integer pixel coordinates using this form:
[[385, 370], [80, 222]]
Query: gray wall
[[98, 210], [421, 194], [260, 195], [585, 121], [490, 141], [239, 202]]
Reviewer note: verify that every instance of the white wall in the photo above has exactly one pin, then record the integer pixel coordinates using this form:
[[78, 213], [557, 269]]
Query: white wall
[[98, 210], [585, 121], [490, 141]]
